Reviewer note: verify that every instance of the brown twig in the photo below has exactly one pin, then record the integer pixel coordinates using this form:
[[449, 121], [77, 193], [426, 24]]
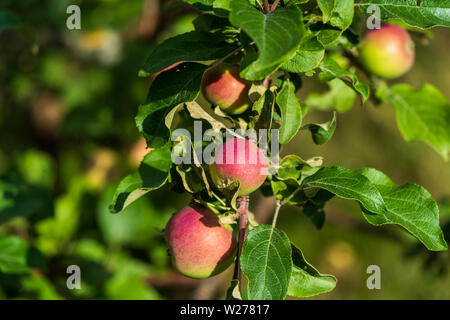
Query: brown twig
[[274, 5], [259, 5], [243, 217], [266, 6], [277, 211]]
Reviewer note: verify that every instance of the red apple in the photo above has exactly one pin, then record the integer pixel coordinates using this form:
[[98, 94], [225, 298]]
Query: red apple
[[222, 86], [387, 52], [200, 244], [242, 160]]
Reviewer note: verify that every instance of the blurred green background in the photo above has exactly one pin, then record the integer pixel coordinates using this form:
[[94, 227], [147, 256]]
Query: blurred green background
[[67, 136]]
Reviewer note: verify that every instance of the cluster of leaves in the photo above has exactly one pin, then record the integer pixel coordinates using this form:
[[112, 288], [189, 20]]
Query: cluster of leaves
[[283, 44]]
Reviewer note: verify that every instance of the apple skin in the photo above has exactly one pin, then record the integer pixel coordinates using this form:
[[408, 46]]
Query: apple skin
[[200, 244], [387, 52], [223, 86], [251, 174]]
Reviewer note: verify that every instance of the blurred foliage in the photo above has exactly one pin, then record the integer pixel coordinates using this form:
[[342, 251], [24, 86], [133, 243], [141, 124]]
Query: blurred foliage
[[67, 105]]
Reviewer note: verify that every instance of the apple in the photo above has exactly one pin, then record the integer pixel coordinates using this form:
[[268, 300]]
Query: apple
[[242, 160], [201, 246], [222, 86], [387, 52]]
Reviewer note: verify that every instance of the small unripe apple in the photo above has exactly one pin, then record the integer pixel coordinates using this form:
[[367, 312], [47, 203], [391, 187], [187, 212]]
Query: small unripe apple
[[200, 244], [222, 86], [387, 52], [242, 160]]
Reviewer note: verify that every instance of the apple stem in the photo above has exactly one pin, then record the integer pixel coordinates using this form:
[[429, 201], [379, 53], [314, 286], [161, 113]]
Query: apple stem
[[242, 204], [277, 211], [266, 6], [259, 5], [274, 5]]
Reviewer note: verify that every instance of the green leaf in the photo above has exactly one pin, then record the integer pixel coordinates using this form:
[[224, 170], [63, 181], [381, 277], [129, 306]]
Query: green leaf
[[337, 17], [222, 6], [191, 177], [288, 191], [125, 286], [291, 112], [91, 250], [327, 34], [323, 132], [307, 57], [289, 2], [291, 167], [346, 184], [42, 287], [340, 97], [383, 202], [410, 206], [306, 281], [230, 190], [54, 232], [37, 168], [169, 89], [422, 114], [264, 108], [13, 254], [135, 225], [21, 199], [313, 208], [422, 14], [203, 2], [338, 13], [191, 46], [152, 174], [315, 213], [197, 112], [266, 262], [331, 70], [277, 36], [212, 23]]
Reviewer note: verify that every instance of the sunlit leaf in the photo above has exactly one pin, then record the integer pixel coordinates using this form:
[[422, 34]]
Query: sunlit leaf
[[277, 35], [266, 262]]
